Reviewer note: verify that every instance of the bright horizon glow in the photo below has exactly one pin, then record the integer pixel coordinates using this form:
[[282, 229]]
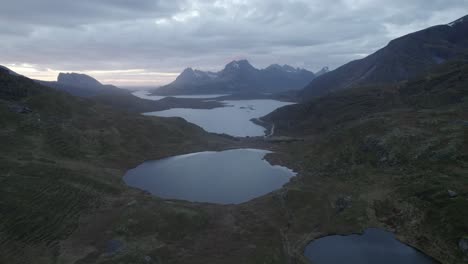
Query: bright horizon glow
[[122, 78]]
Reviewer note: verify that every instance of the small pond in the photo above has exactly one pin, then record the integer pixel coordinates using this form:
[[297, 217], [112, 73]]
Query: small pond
[[375, 246]]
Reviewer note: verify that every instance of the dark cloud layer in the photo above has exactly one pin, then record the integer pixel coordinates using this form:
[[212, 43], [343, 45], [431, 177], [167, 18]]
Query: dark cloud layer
[[147, 42]]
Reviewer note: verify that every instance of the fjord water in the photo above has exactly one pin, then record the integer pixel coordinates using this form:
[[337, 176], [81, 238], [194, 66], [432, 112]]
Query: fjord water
[[233, 119], [147, 95], [226, 177], [374, 246]]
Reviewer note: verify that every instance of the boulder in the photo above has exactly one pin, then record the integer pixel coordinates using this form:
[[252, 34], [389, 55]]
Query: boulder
[[148, 259], [452, 194]]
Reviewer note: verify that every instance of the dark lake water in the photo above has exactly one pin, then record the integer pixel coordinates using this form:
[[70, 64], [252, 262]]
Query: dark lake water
[[375, 246], [226, 177]]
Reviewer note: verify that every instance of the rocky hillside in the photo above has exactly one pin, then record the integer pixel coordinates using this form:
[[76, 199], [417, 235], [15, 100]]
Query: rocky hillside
[[401, 59]]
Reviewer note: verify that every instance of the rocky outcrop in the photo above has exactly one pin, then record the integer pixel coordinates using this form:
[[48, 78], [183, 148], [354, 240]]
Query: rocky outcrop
[[452, 194]]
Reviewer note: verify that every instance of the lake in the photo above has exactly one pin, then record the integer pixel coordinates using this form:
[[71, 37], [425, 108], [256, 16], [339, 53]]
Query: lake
[[233, 119], [225, 177], [374, 246]]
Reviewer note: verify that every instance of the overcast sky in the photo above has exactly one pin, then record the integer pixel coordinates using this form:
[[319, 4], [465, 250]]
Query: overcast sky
[[148, 42]]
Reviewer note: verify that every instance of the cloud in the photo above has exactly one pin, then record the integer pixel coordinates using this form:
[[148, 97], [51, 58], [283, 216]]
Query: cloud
[[160, 38]]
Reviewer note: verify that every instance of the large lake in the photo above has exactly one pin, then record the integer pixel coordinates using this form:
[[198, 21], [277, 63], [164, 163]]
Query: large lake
[[226, 177], [374, 246], [233, 119]]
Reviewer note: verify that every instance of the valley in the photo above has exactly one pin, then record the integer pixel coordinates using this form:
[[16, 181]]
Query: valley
[[276, 226], [244, 165]]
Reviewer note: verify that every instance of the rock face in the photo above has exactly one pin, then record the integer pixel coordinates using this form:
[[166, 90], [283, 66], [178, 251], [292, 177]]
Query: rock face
[[239, 77], [401, 59]]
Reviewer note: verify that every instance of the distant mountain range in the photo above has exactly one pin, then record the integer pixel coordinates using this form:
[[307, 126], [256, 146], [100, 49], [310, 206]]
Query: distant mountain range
[[401, 59], [82, 85], [240, 77]]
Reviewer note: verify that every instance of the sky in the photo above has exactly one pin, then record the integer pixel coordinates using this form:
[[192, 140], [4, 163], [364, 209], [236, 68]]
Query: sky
[[149, 42]]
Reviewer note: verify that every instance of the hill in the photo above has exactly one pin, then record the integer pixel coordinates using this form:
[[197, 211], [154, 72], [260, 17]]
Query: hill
[[401, 59]]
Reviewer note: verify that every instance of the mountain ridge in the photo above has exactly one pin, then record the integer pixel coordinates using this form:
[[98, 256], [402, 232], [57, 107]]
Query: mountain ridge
[[402, 58], [238, 76]]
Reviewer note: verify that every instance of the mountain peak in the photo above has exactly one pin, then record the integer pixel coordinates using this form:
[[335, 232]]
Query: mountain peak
[[239, 76], [187, 75], [459, 21], [322, 71], [238, 64], [188, 70], [285, 68], [77, 79]]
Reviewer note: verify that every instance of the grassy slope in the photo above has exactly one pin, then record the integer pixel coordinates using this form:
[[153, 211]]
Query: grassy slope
[[396, 151]]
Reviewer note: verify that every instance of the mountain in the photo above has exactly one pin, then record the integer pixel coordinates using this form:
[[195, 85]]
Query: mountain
[[77, 79], [239, 77], [82, 85], [401, 59]]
